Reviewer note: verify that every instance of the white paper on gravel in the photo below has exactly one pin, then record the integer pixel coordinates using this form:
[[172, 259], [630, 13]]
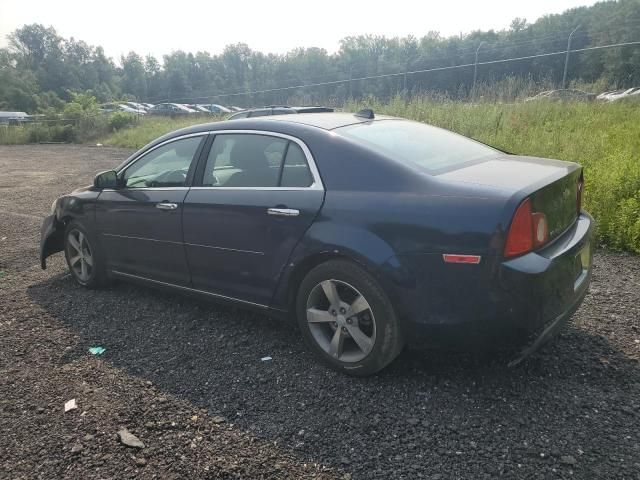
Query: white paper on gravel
[[70, 405]]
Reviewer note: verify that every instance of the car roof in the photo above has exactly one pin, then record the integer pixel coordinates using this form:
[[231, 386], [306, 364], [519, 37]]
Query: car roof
[[323, 120]]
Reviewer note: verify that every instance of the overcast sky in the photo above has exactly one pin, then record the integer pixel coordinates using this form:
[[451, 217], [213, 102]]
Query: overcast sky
[[156, 27]]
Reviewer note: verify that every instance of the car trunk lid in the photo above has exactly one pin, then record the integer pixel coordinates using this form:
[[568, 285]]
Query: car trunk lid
[[551, 185]]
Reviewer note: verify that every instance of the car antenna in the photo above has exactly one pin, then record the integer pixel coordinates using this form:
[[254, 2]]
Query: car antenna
[[365, 113]]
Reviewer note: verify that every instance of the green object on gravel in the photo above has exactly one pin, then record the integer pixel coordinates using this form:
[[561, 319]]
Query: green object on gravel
[[97, 350]]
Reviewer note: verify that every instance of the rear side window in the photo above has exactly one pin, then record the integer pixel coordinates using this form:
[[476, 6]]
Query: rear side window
[[248, 160], [295, 172], [428, 147], [244, 160]]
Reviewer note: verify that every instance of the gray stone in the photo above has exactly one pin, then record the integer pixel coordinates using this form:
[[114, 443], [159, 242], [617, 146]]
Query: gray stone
[[129, 439]]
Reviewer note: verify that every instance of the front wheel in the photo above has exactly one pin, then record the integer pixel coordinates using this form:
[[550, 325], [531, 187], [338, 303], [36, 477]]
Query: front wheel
[[83, 259], [347, 319]]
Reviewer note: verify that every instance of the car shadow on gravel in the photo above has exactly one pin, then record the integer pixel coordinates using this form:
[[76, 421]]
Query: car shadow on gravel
[[428, 413]]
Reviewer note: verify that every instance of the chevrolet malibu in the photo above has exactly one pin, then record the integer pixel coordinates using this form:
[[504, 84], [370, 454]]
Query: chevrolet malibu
[[371, 232]]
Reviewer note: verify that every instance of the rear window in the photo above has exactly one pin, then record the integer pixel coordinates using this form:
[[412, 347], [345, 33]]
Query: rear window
[[428, 147]]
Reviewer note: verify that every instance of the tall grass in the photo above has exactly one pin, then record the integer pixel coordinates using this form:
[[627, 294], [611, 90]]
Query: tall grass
[[13, 135]]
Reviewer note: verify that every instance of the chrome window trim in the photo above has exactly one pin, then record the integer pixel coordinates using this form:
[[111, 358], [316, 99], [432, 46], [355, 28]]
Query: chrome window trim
[[129, 189], [315, 173], [317, 180]]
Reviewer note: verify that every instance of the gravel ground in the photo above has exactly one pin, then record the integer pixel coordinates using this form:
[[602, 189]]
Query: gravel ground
[[186, 378]]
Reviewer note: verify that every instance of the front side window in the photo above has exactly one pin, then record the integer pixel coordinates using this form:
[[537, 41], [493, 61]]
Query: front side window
[[166, 166], [248, 160]]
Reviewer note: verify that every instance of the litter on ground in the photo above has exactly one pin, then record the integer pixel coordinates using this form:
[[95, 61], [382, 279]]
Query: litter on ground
[[70, 405]]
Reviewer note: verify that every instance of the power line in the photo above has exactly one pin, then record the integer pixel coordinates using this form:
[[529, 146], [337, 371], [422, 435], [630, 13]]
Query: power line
[[413, 72], [382, 63]]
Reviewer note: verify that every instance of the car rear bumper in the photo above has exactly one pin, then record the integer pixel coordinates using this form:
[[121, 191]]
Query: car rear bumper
[[496, 303]]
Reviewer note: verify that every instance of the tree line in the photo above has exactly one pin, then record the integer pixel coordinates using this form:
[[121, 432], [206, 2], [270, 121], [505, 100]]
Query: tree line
[[40, 70]]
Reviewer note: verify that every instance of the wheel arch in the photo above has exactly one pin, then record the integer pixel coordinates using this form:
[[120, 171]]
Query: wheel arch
[[303, 267]]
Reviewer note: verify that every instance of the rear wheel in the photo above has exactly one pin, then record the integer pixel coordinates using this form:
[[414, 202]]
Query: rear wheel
[[347, 319], [83, 259]]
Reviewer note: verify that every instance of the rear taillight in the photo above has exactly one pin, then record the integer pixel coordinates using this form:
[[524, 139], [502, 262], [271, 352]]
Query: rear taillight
[[528, 230], [580, 188]]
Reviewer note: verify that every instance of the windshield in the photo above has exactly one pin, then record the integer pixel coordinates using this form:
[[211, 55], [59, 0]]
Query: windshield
[[428, 147]]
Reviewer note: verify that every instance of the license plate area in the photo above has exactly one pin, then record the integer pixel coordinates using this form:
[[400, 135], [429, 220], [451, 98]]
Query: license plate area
[[582, 263]]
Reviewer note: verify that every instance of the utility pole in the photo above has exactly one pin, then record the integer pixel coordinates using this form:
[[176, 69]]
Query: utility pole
[[404, 88], [566, 58], [475, 70]]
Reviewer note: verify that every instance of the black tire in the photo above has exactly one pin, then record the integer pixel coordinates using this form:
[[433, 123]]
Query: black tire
[[96, 274], [387, 339]]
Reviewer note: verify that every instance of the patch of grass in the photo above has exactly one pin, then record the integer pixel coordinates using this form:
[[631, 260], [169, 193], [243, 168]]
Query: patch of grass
[[13, 135], [151, 127]]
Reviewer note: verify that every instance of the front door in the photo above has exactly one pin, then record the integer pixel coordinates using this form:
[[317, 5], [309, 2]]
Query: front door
[[140, 224], [253, 201]]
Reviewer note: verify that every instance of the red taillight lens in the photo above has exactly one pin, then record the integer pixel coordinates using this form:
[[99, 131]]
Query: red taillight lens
[[520, 236], [528, 230]]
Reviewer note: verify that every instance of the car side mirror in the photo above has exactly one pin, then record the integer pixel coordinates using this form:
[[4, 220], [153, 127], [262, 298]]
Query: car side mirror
[[108, 179]]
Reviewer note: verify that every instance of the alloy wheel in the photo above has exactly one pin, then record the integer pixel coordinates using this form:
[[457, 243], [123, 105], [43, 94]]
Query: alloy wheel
[[341, 321], [80, 255]]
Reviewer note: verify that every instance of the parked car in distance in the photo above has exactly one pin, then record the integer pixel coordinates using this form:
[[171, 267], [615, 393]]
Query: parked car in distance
[[277, 110], [14, 118], [371, 232], [170, 109], [121, 107], [233, 108], [197, 108], [137, 106], [616, 95], [215, 108]]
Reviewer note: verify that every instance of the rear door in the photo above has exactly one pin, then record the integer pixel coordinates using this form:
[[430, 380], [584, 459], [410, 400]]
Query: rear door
[[256, 195], [140, 224]]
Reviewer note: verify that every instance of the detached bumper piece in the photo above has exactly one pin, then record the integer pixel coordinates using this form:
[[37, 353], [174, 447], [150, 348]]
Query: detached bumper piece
[[51, 240]]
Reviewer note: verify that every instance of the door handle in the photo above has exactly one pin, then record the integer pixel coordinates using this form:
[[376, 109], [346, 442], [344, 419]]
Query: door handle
[[283, 212], [166, 206]]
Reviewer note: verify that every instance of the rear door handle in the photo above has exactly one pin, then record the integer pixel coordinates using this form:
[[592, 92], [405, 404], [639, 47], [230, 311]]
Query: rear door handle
[[166, 206], [283, 212]]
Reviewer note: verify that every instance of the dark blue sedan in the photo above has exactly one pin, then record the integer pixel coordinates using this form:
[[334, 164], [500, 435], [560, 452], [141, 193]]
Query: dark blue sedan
[[372, 232]]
